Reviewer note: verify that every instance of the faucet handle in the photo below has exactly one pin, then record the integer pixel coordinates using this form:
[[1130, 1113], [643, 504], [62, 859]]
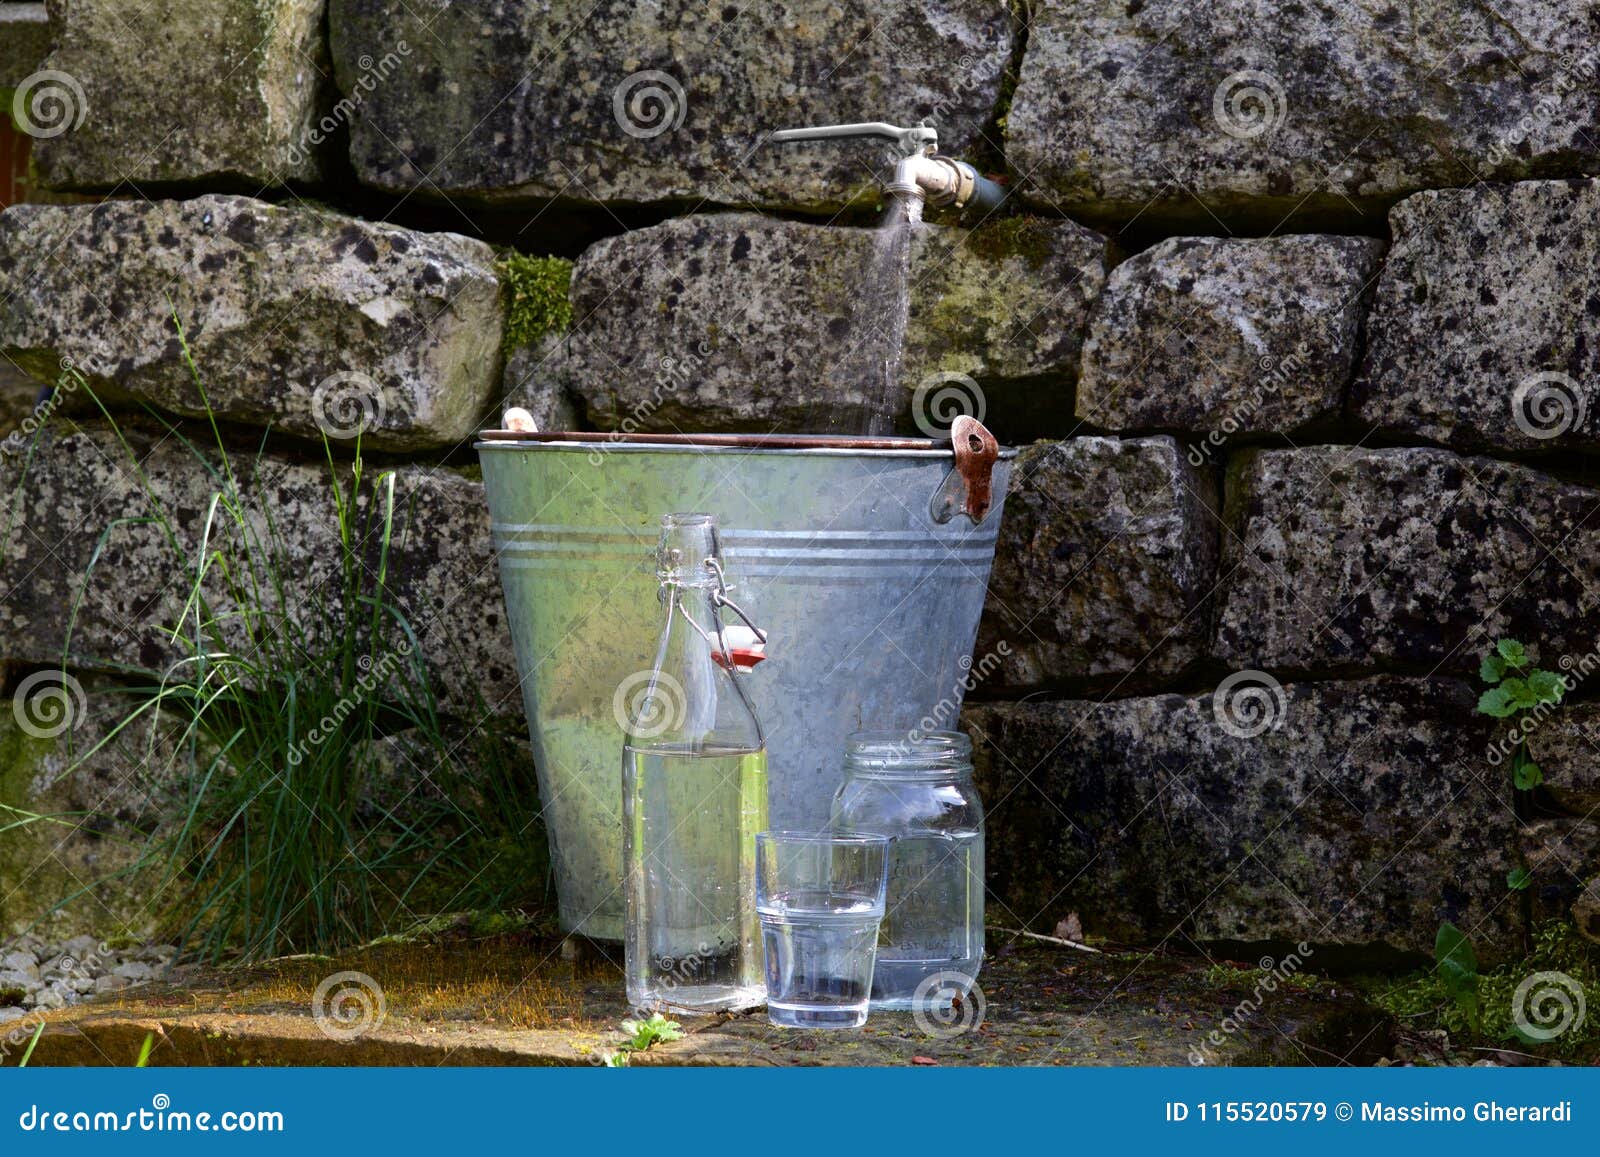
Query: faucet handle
[[910, 142]]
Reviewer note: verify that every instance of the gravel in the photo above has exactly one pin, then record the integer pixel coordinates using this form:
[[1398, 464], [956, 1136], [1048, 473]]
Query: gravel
[[41, 974]]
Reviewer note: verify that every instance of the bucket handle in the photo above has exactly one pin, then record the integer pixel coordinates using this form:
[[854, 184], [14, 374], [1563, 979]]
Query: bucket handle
[[968, 488]]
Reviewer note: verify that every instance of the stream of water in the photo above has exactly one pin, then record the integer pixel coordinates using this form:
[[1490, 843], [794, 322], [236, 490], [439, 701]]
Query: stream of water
[[892, 291]]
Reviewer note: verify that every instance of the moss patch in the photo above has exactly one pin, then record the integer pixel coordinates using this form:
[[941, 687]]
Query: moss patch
[[1558, 948], [1029, 238], [537, 296], [21, 758], [1231, 978]]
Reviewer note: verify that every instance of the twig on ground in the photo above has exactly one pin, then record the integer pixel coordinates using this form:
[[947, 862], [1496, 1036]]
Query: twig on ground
[[1507, 1052], [1046, 939]]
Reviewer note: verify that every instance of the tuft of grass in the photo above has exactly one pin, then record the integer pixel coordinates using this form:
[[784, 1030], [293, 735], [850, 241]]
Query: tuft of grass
[[280, 696], [538, 299]]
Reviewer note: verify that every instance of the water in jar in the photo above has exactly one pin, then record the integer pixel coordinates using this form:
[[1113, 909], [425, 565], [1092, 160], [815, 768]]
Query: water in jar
[[933, 920]]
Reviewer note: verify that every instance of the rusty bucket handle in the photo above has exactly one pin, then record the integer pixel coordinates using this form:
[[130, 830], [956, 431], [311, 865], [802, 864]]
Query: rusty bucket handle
[[969, 487]]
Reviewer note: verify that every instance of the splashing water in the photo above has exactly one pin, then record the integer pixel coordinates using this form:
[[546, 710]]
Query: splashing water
[[903, 210], [881, 313], [891, 298]]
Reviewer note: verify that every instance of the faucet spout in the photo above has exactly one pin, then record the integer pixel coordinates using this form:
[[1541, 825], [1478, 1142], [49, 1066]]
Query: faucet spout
[[943, 181], [921, 176]]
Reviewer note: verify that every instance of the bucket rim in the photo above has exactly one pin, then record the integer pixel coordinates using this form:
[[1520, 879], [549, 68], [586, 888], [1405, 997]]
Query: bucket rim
[[820, 444]]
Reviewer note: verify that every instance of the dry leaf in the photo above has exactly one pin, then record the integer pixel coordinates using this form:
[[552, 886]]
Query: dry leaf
[[1070, 928]]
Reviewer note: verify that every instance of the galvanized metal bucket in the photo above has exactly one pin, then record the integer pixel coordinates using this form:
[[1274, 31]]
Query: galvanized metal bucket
[[833, 545]]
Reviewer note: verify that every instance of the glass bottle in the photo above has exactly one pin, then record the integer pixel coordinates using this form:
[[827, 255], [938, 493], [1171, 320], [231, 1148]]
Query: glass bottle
[[694, 795], [917, 789]]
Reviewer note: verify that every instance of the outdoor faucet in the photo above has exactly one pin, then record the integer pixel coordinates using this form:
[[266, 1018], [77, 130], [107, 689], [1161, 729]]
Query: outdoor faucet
[[921, 174]]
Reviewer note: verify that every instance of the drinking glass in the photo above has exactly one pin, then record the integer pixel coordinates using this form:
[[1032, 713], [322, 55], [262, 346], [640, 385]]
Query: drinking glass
[[820, 899]]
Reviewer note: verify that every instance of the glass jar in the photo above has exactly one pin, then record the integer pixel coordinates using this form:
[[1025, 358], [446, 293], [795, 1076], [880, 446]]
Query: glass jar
[[917, 789]]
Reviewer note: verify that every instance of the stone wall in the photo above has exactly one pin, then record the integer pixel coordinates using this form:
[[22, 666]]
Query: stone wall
[[1294, 312]]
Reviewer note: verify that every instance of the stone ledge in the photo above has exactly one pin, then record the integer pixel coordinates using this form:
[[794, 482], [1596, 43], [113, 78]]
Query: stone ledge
[[1565, 743], [1043, 1006], [1562, 857], [1235, 337], [735, 321], [669, 102], [1484, 326], [1169, 111], [183, 92], [310, 321]]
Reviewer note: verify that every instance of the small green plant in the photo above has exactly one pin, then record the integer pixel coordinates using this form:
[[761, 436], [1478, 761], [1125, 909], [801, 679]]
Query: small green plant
[[538, 302], [1517, 686], [1497, 1008], [657, 1030], [1231, 976], [1456, 965], [642, 1034]]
